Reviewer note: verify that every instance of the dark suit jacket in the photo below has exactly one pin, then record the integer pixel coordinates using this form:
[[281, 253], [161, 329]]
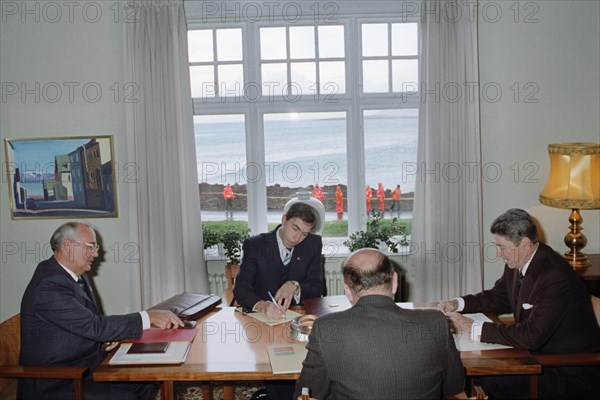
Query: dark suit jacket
[[553, 311], [377, 350], [60, 325], [262, 270]]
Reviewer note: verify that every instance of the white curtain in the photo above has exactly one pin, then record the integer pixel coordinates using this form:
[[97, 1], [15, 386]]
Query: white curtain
[[165, 212], [446, 252]]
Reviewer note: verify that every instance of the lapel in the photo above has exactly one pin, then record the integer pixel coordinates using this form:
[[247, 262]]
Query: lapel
[[535, 268], [89, 291]]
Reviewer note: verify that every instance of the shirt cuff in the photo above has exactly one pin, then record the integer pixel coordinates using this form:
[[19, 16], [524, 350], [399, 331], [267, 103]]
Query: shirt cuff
[[145, 320], [461, 303]]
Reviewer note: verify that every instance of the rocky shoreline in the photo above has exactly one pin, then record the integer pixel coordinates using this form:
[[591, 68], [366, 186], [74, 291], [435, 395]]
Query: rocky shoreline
[[211, 197]]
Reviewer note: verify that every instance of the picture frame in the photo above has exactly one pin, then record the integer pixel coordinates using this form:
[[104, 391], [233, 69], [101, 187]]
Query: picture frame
[[61, 177]]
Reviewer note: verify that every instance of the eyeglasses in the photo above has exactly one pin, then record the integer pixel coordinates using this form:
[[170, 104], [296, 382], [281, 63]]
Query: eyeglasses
[[91, 246]]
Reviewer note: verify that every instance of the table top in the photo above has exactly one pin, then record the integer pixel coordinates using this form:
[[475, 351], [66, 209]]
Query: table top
[[231, 346]]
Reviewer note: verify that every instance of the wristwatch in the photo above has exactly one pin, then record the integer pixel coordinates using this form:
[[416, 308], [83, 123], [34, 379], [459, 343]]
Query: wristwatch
[[297, 285]]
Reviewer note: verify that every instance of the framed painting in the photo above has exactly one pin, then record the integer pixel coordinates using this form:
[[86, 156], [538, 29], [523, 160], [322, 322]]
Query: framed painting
[[66, 177]]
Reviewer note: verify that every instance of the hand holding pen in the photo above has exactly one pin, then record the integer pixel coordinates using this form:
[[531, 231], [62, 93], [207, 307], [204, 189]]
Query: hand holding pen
[[280, 311]]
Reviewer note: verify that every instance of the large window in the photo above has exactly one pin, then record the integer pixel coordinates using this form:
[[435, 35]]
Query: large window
[[288, 101]]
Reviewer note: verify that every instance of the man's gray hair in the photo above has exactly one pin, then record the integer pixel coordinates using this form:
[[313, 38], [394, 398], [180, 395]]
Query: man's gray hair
[[67, 231]]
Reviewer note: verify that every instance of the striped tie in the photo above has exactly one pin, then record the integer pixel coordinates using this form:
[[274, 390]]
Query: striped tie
[[288, 256]]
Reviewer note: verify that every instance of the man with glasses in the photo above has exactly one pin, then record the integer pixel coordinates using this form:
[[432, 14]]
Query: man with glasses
[[61, 323]]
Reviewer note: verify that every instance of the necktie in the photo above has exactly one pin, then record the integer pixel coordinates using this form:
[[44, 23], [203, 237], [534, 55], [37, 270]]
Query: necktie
[[85, 288], [287, 257], [518, 283]]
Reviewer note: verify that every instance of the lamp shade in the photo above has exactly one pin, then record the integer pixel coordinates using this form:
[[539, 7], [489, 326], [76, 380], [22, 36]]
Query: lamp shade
[[574, 180]]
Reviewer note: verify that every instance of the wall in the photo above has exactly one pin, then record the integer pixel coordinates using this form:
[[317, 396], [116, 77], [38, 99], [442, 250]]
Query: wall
[[62, 44], [558, 54], [549, 50]]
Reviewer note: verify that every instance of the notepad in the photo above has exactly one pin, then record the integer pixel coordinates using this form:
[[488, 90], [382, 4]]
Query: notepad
[[289, 315], [287, 358]]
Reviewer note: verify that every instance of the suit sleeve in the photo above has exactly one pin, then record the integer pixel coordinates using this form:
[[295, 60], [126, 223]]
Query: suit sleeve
[[56, 302], [244, 283], [314, 373], [312, 284], [538, 324], [494, 299], [454, 374]]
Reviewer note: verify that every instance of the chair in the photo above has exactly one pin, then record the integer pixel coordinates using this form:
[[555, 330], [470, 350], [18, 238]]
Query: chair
[[573, 359], [231, 271], [10, 345]]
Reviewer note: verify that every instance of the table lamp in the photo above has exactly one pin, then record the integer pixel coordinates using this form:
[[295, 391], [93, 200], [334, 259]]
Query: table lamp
[[574, 182]]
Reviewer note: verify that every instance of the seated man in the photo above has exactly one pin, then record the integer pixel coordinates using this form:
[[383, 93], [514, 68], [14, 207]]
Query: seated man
[[61, 325], [377, 350], [285, 262], [551, 306]]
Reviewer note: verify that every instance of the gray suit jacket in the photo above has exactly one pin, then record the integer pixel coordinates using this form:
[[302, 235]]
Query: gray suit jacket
[[60, 325], [377, 350]]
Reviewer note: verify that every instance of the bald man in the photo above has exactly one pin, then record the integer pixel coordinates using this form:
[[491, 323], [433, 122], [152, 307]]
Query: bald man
[[377, 350]]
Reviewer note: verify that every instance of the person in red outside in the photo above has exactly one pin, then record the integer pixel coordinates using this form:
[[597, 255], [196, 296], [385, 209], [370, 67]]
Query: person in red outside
[[228, 195], [339, 202], [381, 198], [396, 193], [368, 197], [317, 193]]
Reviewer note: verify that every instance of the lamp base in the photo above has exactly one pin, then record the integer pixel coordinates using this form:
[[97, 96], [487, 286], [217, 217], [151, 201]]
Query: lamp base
[[576, 240], [577, 260]]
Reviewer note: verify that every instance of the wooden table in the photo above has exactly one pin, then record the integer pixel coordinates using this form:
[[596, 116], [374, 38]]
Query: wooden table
[[231, 346]]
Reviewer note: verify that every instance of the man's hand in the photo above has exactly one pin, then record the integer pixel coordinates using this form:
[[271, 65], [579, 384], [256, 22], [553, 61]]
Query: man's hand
[[271, 310], [448, 306], [109, 346], [164, 319], [285, 294], [459, 323]]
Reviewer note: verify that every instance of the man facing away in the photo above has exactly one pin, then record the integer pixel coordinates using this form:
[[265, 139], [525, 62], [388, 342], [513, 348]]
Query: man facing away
[[551, 307], [377, 350], [61, 325]]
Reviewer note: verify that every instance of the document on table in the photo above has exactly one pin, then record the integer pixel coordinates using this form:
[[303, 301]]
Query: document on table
[[287, 358], [175, 354], [289, 315], [464, 342]]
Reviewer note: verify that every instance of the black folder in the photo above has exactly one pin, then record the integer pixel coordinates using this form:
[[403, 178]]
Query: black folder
[[189, 306]]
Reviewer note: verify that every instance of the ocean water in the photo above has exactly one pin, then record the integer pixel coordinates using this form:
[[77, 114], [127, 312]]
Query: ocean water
[[302, 152]]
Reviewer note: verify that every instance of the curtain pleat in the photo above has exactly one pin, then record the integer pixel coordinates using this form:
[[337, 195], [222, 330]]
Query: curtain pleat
[[446, 252], [160, 135]]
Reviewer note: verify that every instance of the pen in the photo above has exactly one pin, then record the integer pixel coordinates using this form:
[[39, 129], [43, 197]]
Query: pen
[[277, 305]]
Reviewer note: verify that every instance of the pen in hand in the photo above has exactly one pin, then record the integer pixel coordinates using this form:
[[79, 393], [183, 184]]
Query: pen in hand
[[277, 305]]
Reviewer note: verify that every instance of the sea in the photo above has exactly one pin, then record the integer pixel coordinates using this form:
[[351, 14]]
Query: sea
[[302, 152]]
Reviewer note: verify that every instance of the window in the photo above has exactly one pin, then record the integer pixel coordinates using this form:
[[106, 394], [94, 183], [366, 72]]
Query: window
[[290, 100]]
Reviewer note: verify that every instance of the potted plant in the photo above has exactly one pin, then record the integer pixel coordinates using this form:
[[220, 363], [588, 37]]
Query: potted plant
[[379, 233], [232, 244]]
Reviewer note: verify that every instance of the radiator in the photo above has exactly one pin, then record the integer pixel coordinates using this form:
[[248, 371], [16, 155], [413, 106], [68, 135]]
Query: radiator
[[333, 281]]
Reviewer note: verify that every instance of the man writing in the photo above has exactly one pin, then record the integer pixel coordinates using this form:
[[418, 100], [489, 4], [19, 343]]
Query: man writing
[[61, 325], [377, 350], [551, 307], [287, 263]]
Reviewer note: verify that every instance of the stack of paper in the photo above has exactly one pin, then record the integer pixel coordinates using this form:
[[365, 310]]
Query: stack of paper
[[180, 342], [289, 315]]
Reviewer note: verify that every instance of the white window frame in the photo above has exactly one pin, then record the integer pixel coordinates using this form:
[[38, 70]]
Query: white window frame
[[208, 15]]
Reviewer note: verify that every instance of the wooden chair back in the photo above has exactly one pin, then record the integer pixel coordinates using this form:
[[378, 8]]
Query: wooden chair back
[[10, 345]]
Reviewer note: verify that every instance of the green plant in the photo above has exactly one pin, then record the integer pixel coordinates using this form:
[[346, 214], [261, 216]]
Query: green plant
[[378, 231], [231, 235], [232, 243]]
